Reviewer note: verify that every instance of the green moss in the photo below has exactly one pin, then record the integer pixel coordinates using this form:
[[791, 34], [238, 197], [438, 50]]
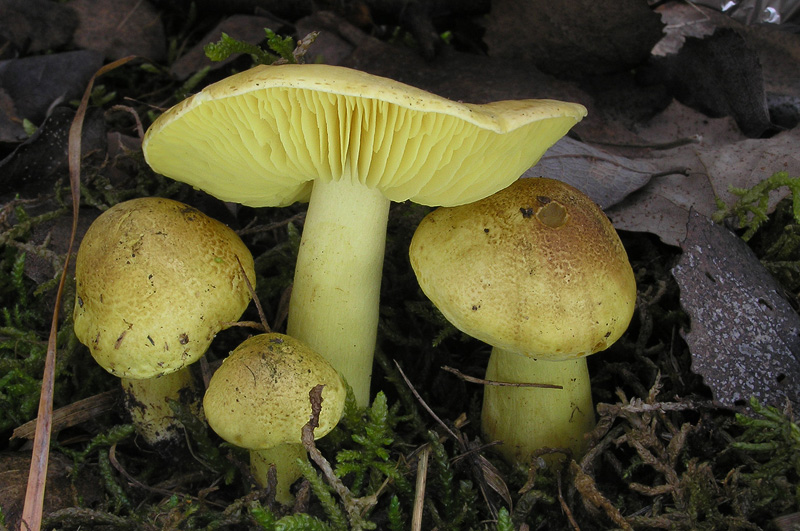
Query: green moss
[[771, 447], [281, 49], [750, 210]]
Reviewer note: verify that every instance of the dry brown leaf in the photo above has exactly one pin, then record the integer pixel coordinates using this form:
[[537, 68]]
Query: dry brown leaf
[[458, 75], [678, 121], [11, 129], [745, 336], [720, 75], [36, 164], [663, 205], [778, 50], [606, 178], [36, 83], [573, 38], [336, 40], [119, 28], [36, 25], [686, 20]]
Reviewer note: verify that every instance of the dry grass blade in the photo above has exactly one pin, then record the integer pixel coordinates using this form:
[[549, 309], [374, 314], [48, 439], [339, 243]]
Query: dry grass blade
[[419, 492], [34, 495], [492, 477], [485, 473]]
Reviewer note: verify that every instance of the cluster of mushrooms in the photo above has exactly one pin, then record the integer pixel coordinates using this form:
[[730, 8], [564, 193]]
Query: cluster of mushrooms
[[531, 267]]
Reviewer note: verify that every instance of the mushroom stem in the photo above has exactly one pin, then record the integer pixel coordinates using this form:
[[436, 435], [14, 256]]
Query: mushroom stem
[[554, 418], [336, 292], [147, 402], [284, 457]]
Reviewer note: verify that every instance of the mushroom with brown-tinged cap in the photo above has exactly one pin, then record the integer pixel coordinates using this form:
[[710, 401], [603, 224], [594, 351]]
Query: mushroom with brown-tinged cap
[[350, 143], [258, 399], [538, 272], [155, 281]]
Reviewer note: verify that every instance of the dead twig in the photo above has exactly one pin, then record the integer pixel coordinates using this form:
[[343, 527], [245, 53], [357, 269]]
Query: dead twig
[[419, 491], [261, 314], [564, 506], [355, 507], [73, 414], [472, 379], [586, 486], [483, 470], [132, 112]]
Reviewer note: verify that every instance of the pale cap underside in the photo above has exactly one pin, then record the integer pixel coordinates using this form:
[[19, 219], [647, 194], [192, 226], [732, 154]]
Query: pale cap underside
[[262, 136]]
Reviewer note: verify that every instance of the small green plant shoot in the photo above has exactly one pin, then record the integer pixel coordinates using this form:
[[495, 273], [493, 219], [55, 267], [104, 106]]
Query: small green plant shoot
[[750, 210], [281, 49]]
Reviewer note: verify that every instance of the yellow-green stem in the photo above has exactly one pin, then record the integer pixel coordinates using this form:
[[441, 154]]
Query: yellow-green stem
[[337, 282], [147, 402], [284, 457], [529, 418]]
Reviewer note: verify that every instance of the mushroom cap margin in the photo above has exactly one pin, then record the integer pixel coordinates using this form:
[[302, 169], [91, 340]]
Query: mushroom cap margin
[[535, 269], [262, 136], [155, 281], [259, 396]]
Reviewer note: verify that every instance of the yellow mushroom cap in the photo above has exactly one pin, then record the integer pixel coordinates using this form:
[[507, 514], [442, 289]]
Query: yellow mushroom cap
[[535, 269], [262, 136], [155, 281], [259, 396]]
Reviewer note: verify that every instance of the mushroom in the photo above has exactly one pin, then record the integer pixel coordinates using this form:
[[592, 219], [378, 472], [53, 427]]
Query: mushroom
[[538, 272], [258, 399], [350, 143], [155, 281]]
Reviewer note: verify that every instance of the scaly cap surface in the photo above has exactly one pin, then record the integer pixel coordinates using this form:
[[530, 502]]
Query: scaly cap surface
[[535, 269], [155, 281], [258, 398]]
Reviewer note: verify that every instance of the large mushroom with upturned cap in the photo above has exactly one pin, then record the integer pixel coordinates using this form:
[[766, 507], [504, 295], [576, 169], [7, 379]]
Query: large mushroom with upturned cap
[[350, 143], [156, 280], [538, 272]]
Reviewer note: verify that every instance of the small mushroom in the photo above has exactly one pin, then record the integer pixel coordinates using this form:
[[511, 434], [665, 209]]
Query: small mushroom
[[349, 143], [259, 400], [538, 272], [155, 281]]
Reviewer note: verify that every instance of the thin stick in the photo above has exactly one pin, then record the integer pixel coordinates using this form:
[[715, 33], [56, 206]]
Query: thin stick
[[419, 492], [564, 506], [472, 379], [257, 302], [424, 405], [34, 494], [73, 414], [355, 507], [112, 458]]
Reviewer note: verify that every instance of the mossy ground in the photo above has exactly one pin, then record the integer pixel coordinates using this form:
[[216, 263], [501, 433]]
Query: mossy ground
[[662, 457]]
